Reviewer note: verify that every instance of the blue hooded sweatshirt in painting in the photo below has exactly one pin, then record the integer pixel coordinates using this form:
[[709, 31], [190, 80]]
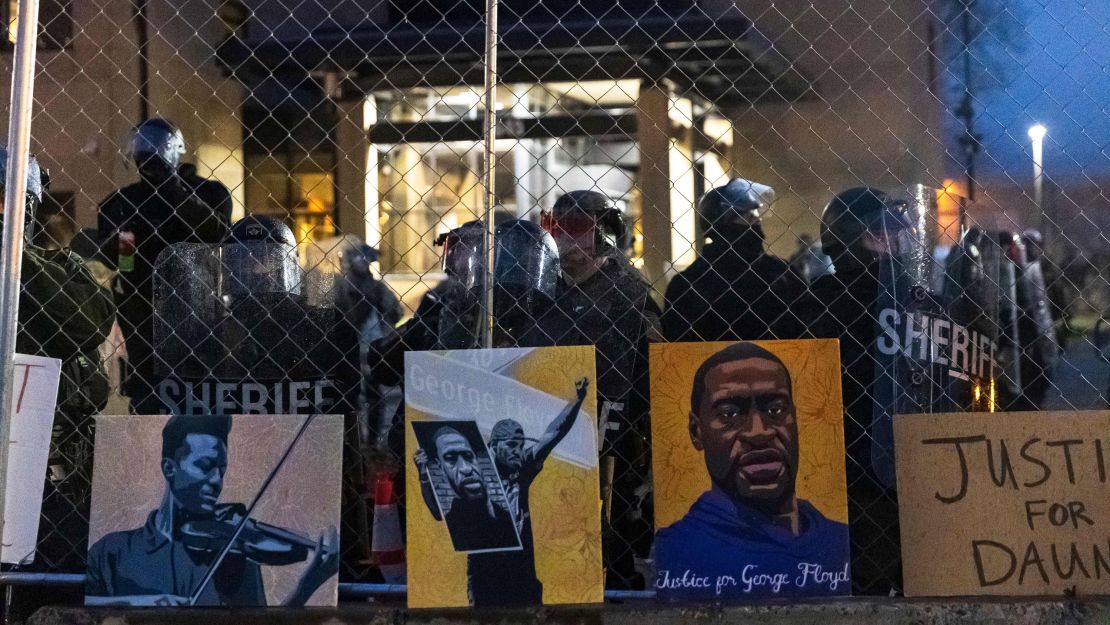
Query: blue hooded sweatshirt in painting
[[724, 550]]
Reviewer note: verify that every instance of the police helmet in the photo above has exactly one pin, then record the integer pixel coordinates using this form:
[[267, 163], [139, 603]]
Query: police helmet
[[738, 201], [578, 212], [526, 270], [37, 178], [260, 258], [262, 228], [37, 181], [863, 224], [156, 137], [525, 256], [357, 257]]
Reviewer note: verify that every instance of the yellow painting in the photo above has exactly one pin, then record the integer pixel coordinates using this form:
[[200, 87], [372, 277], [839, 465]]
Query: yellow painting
[[502, 478], [748, 464]]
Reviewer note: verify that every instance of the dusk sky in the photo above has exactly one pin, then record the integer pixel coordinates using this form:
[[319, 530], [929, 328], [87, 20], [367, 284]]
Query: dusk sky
[[1058, 75]]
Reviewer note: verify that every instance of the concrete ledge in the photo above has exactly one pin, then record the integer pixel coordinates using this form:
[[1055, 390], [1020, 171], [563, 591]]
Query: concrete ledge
[[849, 611]]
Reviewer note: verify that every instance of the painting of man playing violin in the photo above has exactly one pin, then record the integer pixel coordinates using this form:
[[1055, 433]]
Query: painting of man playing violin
[[261, 542]]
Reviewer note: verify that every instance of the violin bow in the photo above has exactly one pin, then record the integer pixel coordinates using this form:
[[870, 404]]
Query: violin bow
[[226, 549]]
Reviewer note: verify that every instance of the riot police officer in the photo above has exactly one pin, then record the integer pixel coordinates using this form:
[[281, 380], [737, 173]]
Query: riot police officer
[[604, 301], [904, 349], [65, 314], [735, 290], [237, 334], [526, 272], [448, 316], [137, 222], [525, 276]]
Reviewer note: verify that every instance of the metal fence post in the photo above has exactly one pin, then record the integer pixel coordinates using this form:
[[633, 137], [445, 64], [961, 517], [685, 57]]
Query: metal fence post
[[15, 190], [489, 132]]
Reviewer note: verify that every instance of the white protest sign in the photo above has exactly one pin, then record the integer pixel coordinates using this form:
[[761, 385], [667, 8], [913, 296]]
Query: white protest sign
[[34, 396]]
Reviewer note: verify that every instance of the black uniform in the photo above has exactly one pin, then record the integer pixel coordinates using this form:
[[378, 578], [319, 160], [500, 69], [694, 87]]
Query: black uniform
[[65, 314], [610, 307], [614, 311], [903, 350], [850, 300], [734, 290], [156, 217], [729, 295], [1040, 349], [214, 194]]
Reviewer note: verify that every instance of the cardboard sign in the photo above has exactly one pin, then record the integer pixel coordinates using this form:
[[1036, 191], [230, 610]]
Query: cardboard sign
[[748, 463], [167, 489], [34, 396], [502, 479], [1005, 503]]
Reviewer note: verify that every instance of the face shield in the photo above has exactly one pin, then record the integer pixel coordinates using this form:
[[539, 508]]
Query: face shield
[[37, 180], [735, 217], [261, 267], [915, 226], [525, 258], [187, 308], [526, 272], [463, 253], [572, 231], [890, 233]]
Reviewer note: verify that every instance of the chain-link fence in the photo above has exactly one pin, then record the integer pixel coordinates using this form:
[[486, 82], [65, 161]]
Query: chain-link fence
[[302, 215]]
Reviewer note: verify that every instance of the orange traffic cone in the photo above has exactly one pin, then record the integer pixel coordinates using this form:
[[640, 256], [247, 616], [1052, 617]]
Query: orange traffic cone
[[388, 549]]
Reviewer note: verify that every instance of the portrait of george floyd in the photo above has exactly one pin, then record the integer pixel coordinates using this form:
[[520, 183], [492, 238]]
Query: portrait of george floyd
[[215, 511], [466, 490], [502, 475], [748, 465]]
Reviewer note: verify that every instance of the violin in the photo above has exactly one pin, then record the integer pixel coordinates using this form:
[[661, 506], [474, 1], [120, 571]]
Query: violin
[[259, 542], [231, 529]]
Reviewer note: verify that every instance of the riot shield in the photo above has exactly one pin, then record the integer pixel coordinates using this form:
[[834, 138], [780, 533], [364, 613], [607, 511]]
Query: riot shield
[[260, 268], [464, 253], [323, 266], [460, 318], [934, 351], [1004, 247], [187, 311], [526, 272], [235, 336], [974, 287]]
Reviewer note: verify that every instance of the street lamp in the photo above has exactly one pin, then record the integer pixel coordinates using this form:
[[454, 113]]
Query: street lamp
[[1037, 133]]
